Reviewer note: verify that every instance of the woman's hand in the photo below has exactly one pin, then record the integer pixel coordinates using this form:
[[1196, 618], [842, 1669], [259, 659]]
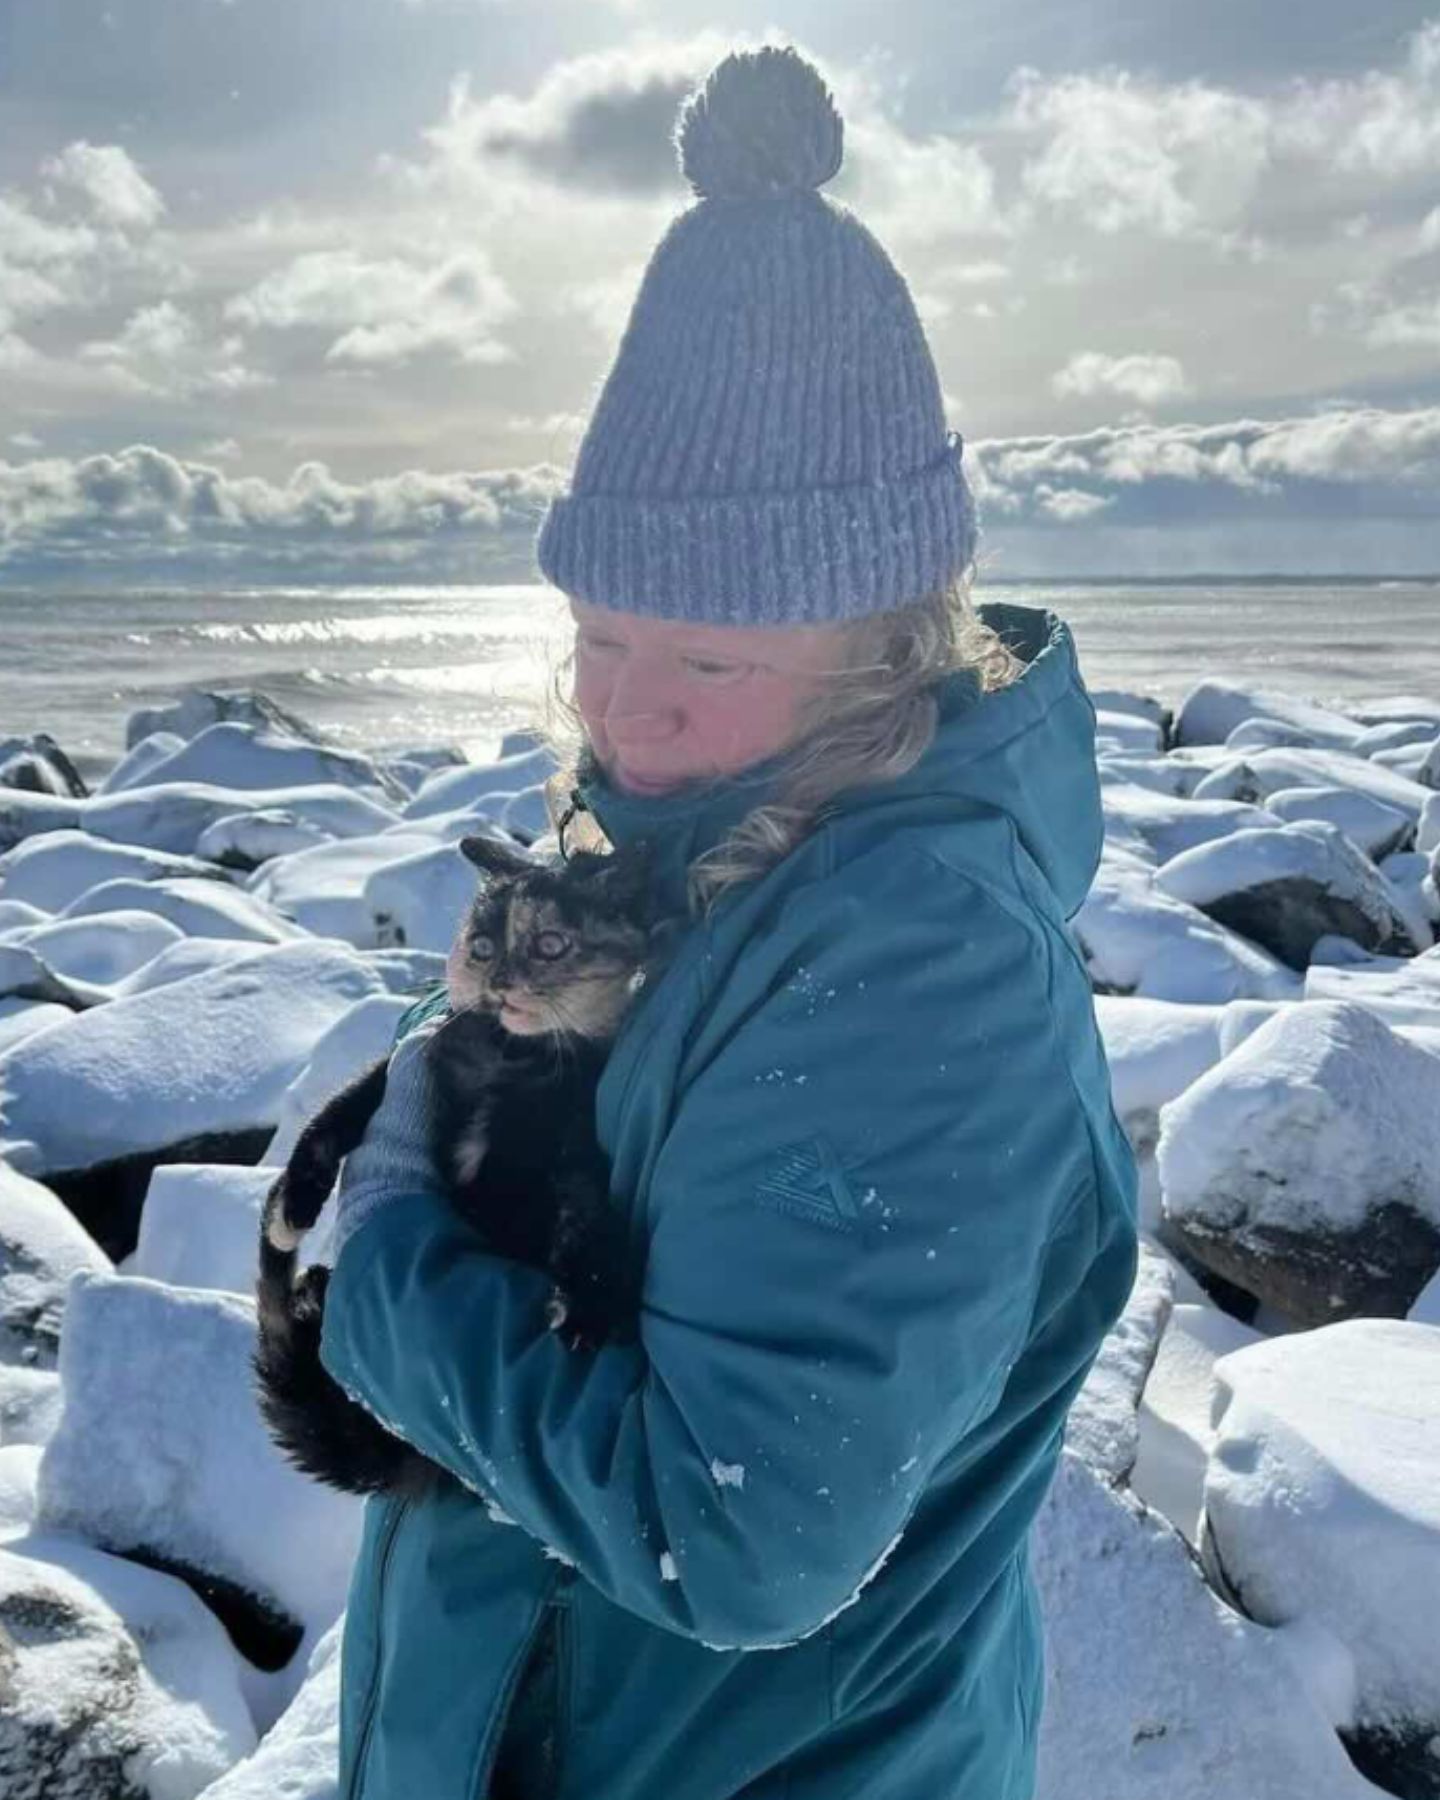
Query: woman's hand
[[393, 1157]]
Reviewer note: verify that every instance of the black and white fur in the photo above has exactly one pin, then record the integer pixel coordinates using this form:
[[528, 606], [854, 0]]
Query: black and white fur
[[539, 979]]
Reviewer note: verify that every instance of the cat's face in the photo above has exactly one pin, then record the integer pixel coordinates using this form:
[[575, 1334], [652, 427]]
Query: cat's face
[[550, 949]]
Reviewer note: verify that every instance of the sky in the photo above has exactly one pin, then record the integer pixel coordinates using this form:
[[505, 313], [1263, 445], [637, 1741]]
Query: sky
[[316, 290]]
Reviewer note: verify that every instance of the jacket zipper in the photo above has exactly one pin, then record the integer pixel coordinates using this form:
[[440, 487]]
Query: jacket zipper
[[507, 1693], [392, 1525]]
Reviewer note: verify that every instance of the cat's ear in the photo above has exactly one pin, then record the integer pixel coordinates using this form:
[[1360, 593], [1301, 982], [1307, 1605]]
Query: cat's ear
[[496, 855], [623, 877]]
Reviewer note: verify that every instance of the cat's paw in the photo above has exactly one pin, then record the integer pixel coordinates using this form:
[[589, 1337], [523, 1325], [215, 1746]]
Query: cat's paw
[[557, 1310]]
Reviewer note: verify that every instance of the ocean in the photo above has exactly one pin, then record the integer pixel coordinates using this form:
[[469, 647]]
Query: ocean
[[380, 665]]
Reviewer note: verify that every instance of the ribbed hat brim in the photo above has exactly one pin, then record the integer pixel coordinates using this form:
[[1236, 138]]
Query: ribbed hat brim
[[815, 555]]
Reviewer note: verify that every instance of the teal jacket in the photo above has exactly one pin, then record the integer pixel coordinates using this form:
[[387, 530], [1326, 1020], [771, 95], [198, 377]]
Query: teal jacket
[[861, 1131]]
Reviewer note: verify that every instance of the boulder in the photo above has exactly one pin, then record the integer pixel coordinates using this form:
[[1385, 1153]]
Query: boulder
[[38, 765], [1102, 1427], [1305, 1166], [57, 867], [41, 1247], [199, 707], [161, 1450], [116, 1683], [1370, 824], [1322, 1508], [1135, 939], [1284, 888], [1154, 1686], [1213, 708]]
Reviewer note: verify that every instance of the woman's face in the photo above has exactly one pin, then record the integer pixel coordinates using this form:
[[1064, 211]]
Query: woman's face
[[666, 702]]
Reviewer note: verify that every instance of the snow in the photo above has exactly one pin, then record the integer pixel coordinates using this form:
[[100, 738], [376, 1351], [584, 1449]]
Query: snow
[[41, 1246], [234, 755], [1213, 709], [299, 1756], [1309, 850], [214, 1052], [173, 815], [122, 1663], [57, 867], [227, 932], [201, 1224], [1175, 1417], [1322, 1499], [1320, 1116], [198, 908], [161, 1444]]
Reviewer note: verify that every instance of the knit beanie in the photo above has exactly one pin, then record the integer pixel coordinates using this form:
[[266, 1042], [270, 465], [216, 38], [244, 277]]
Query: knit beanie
[[769, 447]]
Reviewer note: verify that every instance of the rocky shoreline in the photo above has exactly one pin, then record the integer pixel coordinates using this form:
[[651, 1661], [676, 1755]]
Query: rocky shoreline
[[1240, 1557]]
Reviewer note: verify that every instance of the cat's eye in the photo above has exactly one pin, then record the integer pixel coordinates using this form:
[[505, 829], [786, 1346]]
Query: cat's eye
[[482, 947], [550, 944]]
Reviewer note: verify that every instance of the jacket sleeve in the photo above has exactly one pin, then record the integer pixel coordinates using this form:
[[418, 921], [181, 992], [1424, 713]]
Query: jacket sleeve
[[850, 1214]]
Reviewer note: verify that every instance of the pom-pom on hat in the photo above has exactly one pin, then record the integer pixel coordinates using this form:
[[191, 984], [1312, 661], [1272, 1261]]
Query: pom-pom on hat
[[769, 447]]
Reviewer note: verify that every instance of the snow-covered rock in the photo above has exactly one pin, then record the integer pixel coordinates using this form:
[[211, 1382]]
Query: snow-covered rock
[[24, 815], [1155, 1687], [213, 1053], [1154, 1049], [196, 908], [37, 763], [51, 870], [1135, 939], [1322, 1502], [19, 1470], [1400, 990], [1257, 774], [1305, 1166], [1165, 826], [299, 1757], [1175, 1415], [235, 754], [460, 790], [1286, 887], [423, 898], [1102, 1427], [174, 815], [1128, 730], [323, 889], [1370, 824], [199, 708], [90, 954], [117, 1682], [245, 840], [200, 1226], [357, 1040], [30, 1404], [161, 1446], [142, 756], [41, 1247], [20, 1019], [1213, 709]]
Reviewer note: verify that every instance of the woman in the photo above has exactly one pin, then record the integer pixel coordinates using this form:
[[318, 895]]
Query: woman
[[860, 1126]]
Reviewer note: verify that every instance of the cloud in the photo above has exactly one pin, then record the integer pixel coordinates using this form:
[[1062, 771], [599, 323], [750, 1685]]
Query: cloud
[[144, 509], [162, 351], [388, 309], [1125, 154], [142, 512], [1148, 379], [117, 193]]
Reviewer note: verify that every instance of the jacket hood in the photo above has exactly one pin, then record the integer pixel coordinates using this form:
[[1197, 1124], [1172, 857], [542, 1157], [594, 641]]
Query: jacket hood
[[1027, 750]]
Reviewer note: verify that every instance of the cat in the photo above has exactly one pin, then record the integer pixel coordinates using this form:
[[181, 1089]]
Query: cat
[[542, 972]]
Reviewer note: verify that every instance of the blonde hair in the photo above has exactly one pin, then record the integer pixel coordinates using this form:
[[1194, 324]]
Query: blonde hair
[[870, 720]]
